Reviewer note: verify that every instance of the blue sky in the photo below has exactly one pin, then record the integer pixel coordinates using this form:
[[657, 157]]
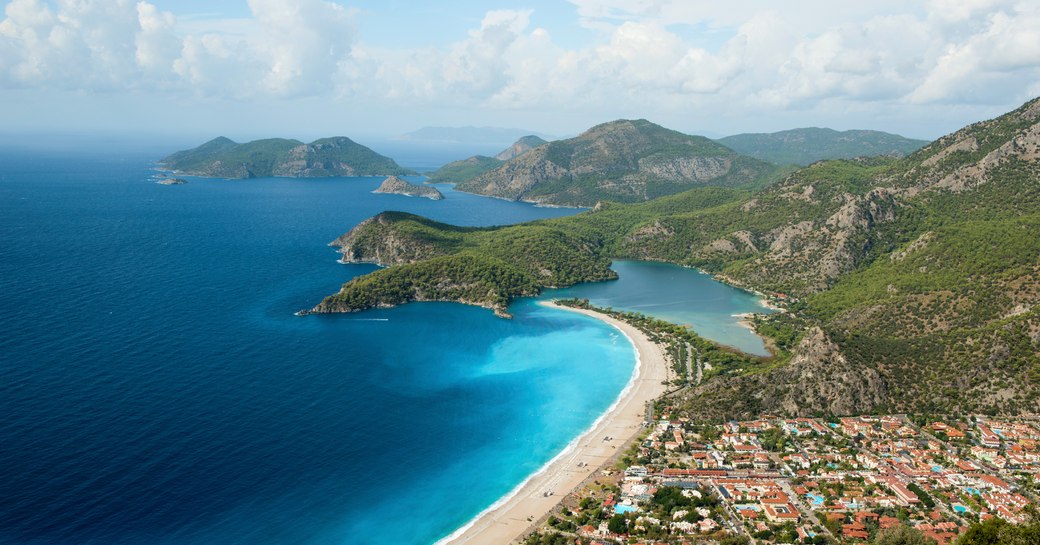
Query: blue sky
[[310, 68]]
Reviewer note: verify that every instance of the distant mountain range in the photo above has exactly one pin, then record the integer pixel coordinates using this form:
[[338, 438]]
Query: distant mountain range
[[805, 146], [912, 284], [469, 135], [337, 156], [623, 160]]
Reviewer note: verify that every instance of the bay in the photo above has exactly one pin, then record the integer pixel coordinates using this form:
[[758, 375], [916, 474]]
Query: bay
[[158, 389]]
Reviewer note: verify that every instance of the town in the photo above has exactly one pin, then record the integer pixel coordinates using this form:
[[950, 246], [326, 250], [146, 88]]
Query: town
[[806, 480]]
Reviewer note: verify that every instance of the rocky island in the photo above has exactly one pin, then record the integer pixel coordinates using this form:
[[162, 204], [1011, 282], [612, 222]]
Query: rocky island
[[397, 186], [326, 157], [172, 181]]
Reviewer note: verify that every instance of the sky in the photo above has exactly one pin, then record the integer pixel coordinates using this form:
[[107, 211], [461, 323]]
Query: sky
[[369, 68]]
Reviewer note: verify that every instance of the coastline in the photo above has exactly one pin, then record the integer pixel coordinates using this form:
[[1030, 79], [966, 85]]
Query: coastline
[[509, 519]]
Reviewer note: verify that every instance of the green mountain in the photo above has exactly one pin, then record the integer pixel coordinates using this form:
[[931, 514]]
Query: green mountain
[[624, 161], [337, 156], [912, 284], [467, 169], [805, 146]]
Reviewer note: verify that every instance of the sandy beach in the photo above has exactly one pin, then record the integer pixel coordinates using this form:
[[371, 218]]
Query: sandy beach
[[508, 521]]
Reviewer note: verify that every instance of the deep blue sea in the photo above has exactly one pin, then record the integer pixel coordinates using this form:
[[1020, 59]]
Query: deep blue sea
[[158, 389]]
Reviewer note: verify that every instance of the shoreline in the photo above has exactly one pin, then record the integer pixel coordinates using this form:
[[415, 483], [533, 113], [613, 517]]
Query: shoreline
[[510, 517]]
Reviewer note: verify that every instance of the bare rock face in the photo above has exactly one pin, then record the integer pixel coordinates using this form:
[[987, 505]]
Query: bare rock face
[[514, 179], [836, 386], [986, 144], [397, 186], [1024, 147], [651, 231], [818, 380], [376, 240]]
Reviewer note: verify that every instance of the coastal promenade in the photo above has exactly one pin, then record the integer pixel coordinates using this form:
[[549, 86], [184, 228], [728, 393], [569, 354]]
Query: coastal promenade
[[508, 520]]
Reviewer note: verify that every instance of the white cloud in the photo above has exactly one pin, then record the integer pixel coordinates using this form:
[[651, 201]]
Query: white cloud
[[287, 48], [302, 43], [672, 56]]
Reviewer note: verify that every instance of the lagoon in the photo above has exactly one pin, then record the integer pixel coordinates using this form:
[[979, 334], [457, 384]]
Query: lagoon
[[679, 295], [158, 388]]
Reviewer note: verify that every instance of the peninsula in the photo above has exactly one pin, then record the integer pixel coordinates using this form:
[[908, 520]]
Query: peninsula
[[890, 268], [397, 186]]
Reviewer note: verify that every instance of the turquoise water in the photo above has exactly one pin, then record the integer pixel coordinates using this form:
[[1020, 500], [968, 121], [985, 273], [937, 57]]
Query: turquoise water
[[157, 388], [680, 295], [960, 508]]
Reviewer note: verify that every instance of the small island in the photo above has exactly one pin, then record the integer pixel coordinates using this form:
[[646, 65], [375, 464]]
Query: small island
[[397, 186], [172, 181]]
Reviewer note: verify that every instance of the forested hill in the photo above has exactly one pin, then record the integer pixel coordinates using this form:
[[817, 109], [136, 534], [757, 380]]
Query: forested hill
[[805, 146], [337, 156], [467, 169], [623, 161], [913, 283]]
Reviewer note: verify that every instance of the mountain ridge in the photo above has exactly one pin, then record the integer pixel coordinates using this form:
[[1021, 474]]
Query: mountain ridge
[[807, 145], [623, 160], [926, 266]]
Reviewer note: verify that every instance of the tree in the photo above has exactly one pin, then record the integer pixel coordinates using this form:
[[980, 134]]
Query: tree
[[617, 524], [902, 535], [984, 533], [997, 531]]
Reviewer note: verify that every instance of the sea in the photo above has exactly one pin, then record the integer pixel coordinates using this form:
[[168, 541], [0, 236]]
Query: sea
[[157, 387]]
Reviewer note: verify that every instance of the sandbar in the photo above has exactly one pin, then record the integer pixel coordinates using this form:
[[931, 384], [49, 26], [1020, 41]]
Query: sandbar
[[513, 517]]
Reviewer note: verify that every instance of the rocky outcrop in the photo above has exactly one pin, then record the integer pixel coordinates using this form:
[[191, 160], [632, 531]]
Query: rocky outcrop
[[397, 186], [520, 147], [819, 380], [516, 178], [379, 240]]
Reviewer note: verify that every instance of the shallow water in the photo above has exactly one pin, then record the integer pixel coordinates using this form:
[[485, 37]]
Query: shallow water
[[680, 295], [158, 389]]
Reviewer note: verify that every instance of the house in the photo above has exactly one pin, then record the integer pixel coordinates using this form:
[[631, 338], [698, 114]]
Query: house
[[856, 531]]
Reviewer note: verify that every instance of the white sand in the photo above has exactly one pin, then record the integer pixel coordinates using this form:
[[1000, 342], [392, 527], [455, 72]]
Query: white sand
[[510, 518]]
